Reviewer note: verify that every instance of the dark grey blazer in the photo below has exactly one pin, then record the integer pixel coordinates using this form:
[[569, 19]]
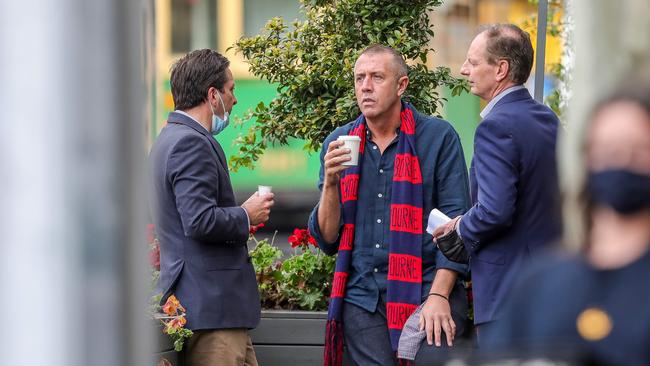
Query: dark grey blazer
[[202, 231]]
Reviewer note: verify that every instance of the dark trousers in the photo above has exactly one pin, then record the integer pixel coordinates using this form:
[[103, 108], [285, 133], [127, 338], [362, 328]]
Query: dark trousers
[[366, 336], [368, 342]]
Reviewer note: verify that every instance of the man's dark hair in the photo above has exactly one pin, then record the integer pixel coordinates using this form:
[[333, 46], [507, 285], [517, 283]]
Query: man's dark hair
[[398, 61], [508, 42], [193, 74]]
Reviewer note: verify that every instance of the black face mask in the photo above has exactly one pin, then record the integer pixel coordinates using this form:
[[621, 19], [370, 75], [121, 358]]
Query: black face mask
[[625, 191]]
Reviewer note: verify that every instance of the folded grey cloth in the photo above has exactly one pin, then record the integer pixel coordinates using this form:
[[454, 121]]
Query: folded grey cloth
[[412, 336]]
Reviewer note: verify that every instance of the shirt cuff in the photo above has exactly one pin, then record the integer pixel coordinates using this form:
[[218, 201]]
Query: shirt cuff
[[443, 262], [314, 230]]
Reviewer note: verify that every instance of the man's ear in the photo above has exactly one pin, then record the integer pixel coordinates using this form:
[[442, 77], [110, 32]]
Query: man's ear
[[402, 83], [212, 91], [503, 68]]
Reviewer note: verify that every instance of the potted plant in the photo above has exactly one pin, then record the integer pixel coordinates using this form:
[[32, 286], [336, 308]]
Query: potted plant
[[167, 319], [294, 293]]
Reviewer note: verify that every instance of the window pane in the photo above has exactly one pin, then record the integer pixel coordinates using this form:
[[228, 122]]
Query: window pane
[[181, 26], [258, 12], [194, 25]]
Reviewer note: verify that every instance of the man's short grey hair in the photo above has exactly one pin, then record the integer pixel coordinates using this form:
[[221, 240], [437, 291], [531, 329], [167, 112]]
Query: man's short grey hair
[[509, 42], [401, 69]]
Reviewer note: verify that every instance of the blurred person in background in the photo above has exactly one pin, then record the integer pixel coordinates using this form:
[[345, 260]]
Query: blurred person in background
[[594, 308], [202, 231]]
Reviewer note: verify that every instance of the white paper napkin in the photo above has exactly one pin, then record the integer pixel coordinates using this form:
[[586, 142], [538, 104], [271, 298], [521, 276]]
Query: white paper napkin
[[436, 218]]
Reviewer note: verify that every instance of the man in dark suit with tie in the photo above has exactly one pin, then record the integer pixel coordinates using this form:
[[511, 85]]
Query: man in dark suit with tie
[[202, 231], [513, 178]]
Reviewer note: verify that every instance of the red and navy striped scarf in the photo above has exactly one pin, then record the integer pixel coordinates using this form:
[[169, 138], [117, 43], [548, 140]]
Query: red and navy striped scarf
[[405, 239]]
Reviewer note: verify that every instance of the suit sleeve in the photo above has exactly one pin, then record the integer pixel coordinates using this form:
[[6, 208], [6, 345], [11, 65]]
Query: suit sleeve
[[194, 175], [452, 189], [496, 170]]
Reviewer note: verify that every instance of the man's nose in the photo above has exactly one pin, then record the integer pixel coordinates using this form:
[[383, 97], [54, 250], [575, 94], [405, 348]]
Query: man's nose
[[463, 69], [366, 85]]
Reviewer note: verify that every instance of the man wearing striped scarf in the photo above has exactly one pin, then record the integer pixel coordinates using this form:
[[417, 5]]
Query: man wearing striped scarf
[[372, 215]]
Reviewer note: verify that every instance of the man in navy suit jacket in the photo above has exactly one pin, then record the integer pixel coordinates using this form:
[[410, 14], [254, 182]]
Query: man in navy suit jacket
[[202, 231], [513, 178]]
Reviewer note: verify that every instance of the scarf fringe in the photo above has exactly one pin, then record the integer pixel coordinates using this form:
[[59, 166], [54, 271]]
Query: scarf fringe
[[403, 362], [333, 343]]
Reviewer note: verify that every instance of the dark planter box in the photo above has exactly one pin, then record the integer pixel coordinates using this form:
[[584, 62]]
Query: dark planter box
[[283, 338], [293, 338]]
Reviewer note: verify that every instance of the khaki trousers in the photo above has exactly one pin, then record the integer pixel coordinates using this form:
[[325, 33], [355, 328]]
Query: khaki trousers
[[223, 347]]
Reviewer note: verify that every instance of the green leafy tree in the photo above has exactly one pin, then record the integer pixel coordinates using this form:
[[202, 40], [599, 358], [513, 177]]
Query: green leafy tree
[[312, 66]]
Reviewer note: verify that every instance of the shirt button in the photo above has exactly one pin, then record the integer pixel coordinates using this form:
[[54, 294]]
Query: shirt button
[[380, 195], [379, 221], [376, 270], [374, 147], [377, 246], [381, 171]]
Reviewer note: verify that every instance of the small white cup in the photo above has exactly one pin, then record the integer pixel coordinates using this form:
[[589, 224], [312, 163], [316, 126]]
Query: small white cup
[[352, 143], [262, 190]]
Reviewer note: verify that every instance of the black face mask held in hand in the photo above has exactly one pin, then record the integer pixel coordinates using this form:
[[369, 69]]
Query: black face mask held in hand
[[625, 191], [452, 247]]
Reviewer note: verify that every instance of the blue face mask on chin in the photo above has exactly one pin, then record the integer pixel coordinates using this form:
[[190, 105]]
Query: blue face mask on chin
[[219, 124], [625, 191]]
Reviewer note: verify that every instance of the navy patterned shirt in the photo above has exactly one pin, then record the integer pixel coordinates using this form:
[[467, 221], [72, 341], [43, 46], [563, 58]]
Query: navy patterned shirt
[[445, 187]]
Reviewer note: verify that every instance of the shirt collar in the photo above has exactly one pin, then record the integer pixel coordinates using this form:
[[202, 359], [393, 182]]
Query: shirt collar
[[497, 98], [369, 134], [193, 119]]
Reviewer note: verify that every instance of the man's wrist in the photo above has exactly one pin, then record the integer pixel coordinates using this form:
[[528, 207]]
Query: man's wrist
[[436, 294], [457, 226], [331, 184]]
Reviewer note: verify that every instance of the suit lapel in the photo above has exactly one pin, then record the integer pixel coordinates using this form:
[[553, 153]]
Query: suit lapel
[[189, 122], [220, 153]]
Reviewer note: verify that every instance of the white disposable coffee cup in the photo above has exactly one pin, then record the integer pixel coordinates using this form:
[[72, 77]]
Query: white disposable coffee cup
[[352, 143], [262, 190]]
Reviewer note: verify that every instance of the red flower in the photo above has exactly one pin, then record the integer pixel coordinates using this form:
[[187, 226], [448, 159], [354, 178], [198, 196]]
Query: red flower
[[151, 235], [294, 241], [154, 256], [301, 238], [253, 229]]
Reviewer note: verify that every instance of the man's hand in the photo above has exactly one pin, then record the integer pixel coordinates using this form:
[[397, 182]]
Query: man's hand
[[435, 317], [446, 228], [333, 160], [258, 207]]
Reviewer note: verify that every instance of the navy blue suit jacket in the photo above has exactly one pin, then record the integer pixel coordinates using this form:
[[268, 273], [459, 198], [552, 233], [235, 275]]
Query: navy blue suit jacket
[[514, 188], [202, 231]]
